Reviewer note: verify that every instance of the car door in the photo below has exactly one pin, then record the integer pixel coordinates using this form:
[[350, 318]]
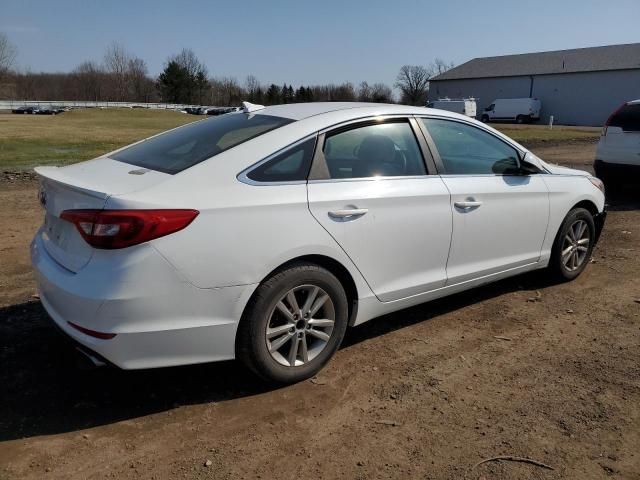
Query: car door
[[369, 188], [500, 215]]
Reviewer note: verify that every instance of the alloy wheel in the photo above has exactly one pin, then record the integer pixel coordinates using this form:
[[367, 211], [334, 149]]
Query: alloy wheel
[[575, 245], [300, 325]]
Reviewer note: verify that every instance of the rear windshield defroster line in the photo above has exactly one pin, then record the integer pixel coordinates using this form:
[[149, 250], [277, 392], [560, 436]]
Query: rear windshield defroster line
[[179, 149]]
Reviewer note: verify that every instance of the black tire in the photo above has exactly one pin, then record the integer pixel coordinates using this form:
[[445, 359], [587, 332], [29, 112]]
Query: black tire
[[251, 338], [485, 118], [520, 119], [556, 264]]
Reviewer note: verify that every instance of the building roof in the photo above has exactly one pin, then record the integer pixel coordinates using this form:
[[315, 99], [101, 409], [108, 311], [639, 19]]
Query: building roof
[[592, 59]]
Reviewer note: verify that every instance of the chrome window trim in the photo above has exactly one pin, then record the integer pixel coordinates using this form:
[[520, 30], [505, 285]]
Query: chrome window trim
[[243, 175], [373, 179]]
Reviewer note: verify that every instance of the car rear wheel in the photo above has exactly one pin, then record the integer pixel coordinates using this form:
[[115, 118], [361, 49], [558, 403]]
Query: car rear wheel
[[293, 324], [573, 245], [485, 118], [520, 119]]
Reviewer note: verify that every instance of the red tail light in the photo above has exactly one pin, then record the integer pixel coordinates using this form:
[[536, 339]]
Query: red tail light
[[109, 229]]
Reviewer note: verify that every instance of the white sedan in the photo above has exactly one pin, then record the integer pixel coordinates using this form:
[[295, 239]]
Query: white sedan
[[263, 234]]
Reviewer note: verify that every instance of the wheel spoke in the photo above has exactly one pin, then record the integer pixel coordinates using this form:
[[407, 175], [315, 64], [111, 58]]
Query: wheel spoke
[[321, 322], [280, 342], [279, 330], [293, 302], [572, 233], [582, 226], [293, 351], [318, 304], [575, 259], [583, 249], [313, 293], [282, 308], [304, 352], [583, 241], [567, 250], [318, 334], [567, 256]]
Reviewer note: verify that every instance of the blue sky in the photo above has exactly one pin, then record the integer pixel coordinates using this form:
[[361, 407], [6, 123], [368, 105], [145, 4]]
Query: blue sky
[[306, 42]]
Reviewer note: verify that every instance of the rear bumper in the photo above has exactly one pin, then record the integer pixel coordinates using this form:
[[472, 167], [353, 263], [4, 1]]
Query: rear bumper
[[158, 318]]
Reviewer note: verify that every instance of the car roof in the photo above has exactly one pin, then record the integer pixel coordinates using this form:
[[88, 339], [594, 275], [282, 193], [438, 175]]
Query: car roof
[[300, 111]]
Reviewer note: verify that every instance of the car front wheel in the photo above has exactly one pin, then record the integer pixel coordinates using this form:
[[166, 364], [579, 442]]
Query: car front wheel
[[293, 324], [573, 245]]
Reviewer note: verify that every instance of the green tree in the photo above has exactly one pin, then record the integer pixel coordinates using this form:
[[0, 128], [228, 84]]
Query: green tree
[[173, 83], [273, 95]]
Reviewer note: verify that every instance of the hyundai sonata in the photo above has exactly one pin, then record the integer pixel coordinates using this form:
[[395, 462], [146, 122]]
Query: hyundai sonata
[[263, 234]]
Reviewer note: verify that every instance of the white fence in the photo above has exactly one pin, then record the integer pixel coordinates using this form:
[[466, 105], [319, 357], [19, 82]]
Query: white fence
[[11, 104]]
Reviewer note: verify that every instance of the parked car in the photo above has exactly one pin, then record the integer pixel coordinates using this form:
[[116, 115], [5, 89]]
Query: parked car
[[464, 106], [220, 110], [618, 151], [194, 110], [23, 110], [520, 110], [263, 235], [50, 110]]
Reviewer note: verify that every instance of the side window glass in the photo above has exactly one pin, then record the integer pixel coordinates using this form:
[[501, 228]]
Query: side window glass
[[291, 165], [467, 150], [379, 150]]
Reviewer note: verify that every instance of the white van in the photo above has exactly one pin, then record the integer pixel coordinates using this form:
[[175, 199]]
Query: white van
[[465, 106], [618, 152], [522, 110]]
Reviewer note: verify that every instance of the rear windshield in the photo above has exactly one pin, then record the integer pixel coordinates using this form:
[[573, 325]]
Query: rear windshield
[[627, 118], [182, 148]]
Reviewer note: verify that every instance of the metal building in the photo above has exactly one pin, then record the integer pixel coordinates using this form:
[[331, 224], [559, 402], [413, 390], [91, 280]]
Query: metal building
[[578, 87]]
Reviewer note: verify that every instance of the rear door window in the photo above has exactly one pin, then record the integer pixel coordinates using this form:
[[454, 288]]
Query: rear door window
[[627, 118], [387, 149], [179, 149]]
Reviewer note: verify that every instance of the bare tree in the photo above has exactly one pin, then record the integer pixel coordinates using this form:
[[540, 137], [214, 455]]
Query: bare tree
[[8, 53], [187, 59], [226, 91], [253, 89], [413, 83], [139, 84], [381, 93], [88, 78], [439, 66], [364, 92], [116, 61]]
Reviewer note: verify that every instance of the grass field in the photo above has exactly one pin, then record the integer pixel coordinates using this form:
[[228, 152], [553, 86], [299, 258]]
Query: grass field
[[30, 140]]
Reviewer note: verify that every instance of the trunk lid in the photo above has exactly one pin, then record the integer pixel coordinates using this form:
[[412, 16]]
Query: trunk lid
[[87, 185]]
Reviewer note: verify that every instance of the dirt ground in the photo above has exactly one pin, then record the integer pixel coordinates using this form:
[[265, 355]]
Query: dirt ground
[[522, 367]]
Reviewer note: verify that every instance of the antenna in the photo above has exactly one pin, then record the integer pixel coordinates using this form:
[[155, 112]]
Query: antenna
[[251, 107]]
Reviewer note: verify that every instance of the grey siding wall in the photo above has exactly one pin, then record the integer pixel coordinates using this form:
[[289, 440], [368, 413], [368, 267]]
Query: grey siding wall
[[573, 99]]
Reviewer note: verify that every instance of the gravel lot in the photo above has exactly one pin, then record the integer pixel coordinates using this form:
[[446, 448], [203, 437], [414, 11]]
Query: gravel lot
[[523, 367]]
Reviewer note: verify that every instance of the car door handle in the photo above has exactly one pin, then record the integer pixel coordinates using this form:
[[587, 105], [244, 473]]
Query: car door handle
[[467, 204], [348, 213]]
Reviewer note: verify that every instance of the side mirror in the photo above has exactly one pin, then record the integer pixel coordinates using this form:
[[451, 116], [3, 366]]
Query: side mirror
[[530, 164]]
